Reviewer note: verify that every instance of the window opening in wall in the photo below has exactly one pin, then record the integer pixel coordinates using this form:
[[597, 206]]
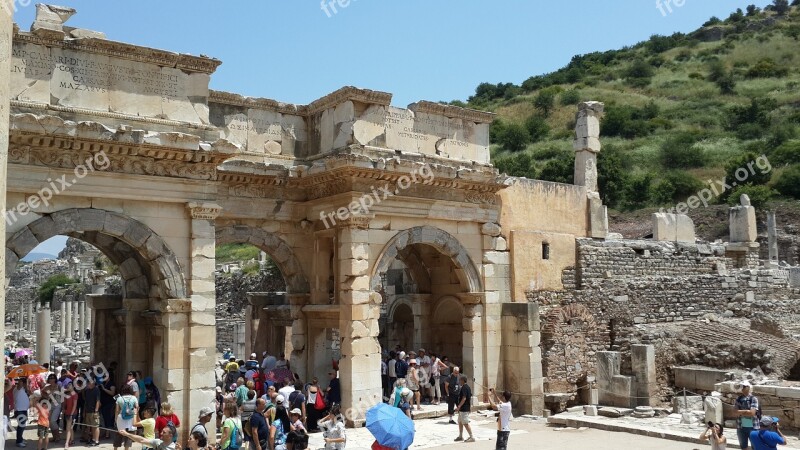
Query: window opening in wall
[[639, 251], [545, 250]]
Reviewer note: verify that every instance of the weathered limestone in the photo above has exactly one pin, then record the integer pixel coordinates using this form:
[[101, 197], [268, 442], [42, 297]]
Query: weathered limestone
[[714, 410], [743, 222], [43, 327], [68, 330], [522, 359], [643, 363], [6, 30], [50, 20], [673, 228], [587, 144], [772, 236], [615, 389]]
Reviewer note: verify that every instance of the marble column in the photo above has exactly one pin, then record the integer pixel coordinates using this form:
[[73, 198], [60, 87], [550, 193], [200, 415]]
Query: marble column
[[30, 324], [21, 316], [68, 319], [43, 328], [76, 317], [82, 325], [63, 321], [772, 235]]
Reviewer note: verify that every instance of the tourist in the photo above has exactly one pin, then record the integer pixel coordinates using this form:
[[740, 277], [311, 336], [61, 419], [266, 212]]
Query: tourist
[[202, 419], [51, 386], [747, 410], [152, 394], [504, 417], [385, 376], [297, 438], [142, 392], [287, 388], [333, 425], [259, 429], [107, 403], [91, 412], [245, 412], [43, 424], [269, 363], [231, 427], [315, 406], [297, 401], [282, 363], [219, 374], [167, 417], [296, 416], [231, 377], [279, 428], [70, 414], [130, 380], [168, 437], [769, 436], [401, 367], [391, 372], [714, 435], [240, 394], [464, 407], [424, 372], [219, 402], [269, 397], [232, 365], [147, 424], [197, 441], [127, 406], [401, 398], [436, 378], [22, 403], [413, 382], [452, 388], [333, 394]]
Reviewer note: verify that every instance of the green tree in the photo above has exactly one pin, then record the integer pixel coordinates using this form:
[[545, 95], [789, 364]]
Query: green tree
[[514, 137], [570, 98], [759, 195], [780, 6], [789, 182], [537, 127], [517, 165], [786, 153], [675, 186], [613, 175], [745, 170], [714, 20], [752, 10], [48, 288], [678, 151], [560, 169], [639, 73], [545, 101], [637, 193]]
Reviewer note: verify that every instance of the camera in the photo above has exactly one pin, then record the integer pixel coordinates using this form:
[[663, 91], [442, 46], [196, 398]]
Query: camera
[[710, 424]]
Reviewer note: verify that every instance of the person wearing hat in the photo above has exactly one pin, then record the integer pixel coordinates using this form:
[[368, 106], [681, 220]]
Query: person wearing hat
[[747, 411], [769, 436], [232, 365], [414, 382], [202, 419]]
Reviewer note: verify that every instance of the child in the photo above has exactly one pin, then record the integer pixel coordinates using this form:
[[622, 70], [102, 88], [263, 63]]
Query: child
[[70, 412], [43, 425], [148, 424]]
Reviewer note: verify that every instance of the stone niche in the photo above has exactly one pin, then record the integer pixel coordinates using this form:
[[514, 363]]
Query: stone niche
[[100, 75]]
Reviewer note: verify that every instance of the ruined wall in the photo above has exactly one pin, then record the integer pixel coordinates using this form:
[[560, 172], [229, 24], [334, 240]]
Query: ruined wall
[[533, 213], [231, 292]]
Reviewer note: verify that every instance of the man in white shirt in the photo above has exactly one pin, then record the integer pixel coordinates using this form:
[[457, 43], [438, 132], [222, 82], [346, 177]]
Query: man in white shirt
[[269, 362], [22, 403], [503, 419]]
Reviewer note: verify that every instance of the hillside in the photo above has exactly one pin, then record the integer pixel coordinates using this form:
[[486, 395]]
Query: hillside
[[681, 111]]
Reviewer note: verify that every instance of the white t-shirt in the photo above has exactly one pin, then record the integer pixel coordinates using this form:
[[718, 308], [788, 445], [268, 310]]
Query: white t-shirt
[[134, 387], [286, 391], [392, 367], [505, 416], [22, 401]]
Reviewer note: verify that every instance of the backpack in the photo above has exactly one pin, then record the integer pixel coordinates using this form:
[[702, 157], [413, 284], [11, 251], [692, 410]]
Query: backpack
[[127, 409], [319, 402], [296, 400], [171, 425], [236, 439]]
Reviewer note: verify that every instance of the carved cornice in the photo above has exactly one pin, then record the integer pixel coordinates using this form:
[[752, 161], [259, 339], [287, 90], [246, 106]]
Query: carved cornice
[[228, 98], [121, 50], [472, 115], [349, 93], [201, 210]]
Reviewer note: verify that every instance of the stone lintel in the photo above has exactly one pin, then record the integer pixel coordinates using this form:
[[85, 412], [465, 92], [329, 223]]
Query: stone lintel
[[203, 210], [450, 111], [349, 93]]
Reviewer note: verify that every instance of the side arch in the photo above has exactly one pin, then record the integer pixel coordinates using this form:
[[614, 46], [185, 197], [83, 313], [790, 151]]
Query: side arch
[[275, 247], [442, 241], [148, 266]]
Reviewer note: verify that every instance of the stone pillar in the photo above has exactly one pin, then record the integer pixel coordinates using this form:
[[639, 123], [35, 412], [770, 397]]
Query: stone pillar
[[743, 221], [30, 320], [421, 309], [522, 357], [772, 235], [21, 317], [473, 356], [643, 364], [6, 30], [359, 311], [62, 322], [43, 328], [299, 357], [76, 317], [68, 318], [202, 332], [82, 319], [587, 146]]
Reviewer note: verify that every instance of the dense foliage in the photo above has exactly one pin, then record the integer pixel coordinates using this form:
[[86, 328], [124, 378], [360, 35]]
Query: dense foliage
[[48, 289]]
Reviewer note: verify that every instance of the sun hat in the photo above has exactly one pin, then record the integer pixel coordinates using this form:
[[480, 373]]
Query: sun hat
[[768, 420], [296, 411], [205, 412], [412, 361]]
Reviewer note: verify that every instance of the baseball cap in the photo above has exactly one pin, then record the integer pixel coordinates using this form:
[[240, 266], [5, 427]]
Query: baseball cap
[[253, 356], [280, 398], [296, 411], [402, 355], [205, 412], [767, 421], [412, 361]]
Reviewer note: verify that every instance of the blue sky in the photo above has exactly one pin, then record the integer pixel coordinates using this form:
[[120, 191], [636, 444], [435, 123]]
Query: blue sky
[[293, 51]]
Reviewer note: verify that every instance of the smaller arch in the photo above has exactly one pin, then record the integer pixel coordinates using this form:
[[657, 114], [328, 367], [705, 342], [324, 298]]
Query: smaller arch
[[442, 241], [398, 302], [275, 247], [445, 301]]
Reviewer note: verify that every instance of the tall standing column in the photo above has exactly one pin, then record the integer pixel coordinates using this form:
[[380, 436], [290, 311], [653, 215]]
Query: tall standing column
[[201, 332], [76, 314], [21, 316], [772, 235], [31, 321], [62, 333], [359, 311], [43, 328], [82, 325], [68, 320], [587, 146]]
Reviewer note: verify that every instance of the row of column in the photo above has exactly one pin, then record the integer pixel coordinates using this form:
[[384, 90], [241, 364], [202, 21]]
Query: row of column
[[75, 315], [25, 318]]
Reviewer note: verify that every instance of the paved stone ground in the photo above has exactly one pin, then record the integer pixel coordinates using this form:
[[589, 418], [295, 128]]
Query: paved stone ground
[[437, 433]]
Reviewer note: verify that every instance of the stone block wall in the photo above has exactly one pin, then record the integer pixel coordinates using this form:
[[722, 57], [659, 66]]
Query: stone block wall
[[777, 401]]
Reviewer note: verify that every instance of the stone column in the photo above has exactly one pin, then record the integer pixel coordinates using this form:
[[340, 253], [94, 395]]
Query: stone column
[[62, 322], [202, 332], [82, 317], [21, 316], [359, 311], [421, 309], [77, 309], [6, 30], [474, 356], [299, 357], [587, 146], [643, 365], [68, 317], [43, 327], [772, 235], [30, 320], [522, 357]]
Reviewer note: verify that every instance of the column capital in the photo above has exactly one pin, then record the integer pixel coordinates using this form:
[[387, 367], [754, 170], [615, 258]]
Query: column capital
[[471, 298], [204, 210]]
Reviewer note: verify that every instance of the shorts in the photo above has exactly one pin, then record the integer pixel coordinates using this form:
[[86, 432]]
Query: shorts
[[119, 441], [92, 419], [502, 440], [744, 436], [41, 431], [463, 417]]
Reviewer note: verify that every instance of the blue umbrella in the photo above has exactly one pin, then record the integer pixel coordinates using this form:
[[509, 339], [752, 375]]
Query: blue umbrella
[[390, 426]]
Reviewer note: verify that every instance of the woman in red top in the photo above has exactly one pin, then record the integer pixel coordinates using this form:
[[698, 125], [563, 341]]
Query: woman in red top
[[165, 417]]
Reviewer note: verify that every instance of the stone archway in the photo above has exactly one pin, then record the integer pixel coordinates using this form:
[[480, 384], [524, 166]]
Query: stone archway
[[442, 241], [148, 266], [447, 316], [400, 325], [569, 341]]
